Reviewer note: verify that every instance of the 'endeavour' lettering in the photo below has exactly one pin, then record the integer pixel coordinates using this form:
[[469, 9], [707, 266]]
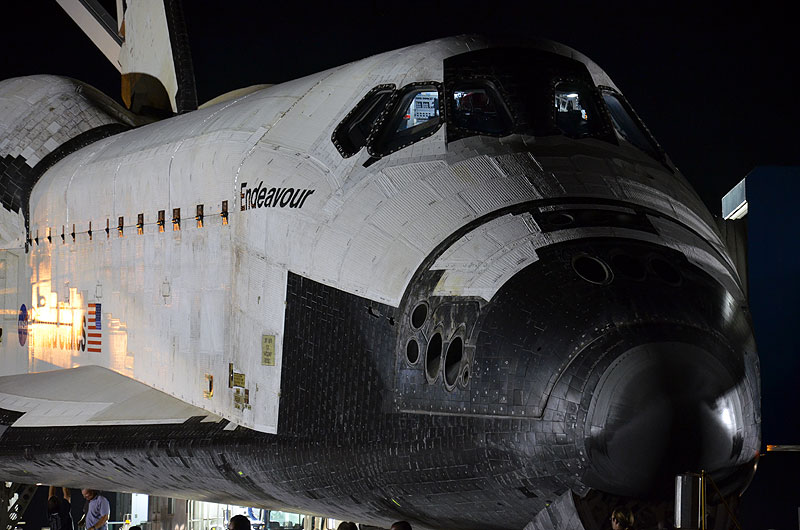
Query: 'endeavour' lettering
[[260, 197]]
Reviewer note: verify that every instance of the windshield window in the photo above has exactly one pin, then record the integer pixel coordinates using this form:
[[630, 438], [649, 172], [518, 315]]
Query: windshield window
[[479, 109], [352, 133], [415, 116], [526, 84], [627, 126], [573, 112], [423, 106]]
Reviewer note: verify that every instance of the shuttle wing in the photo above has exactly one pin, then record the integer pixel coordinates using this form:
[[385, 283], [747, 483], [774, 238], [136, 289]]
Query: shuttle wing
[[90, 396]]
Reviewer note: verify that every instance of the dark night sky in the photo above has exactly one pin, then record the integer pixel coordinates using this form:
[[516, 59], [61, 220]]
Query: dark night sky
[[716, 87]]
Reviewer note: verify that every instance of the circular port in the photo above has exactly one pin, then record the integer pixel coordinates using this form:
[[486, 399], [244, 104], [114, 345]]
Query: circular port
[[433, 357], [452, 361], [629, 267], [560, 219], [412, 351], [465, 377], [419, 315], [666, 271], [592, 270]]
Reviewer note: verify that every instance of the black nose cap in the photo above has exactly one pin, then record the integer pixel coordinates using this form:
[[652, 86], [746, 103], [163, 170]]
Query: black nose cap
[[658, 410]]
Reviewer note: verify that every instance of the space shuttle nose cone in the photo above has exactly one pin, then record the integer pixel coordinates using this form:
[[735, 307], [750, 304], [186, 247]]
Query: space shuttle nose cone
[[661, 409]]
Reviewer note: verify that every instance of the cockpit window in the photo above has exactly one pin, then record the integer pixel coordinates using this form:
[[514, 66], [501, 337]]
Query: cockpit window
[[477, 108], [526, 82], [627, 126], [573, 110], [352, 133], [424, 106], [415, 115]]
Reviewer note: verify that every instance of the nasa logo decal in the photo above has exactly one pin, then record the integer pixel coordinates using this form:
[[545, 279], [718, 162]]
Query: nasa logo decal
[[22, 325]]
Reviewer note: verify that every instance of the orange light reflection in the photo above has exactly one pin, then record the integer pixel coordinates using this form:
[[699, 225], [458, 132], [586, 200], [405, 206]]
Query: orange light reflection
[[57, 330]]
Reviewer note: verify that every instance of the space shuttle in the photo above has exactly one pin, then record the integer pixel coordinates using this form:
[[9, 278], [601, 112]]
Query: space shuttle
[[459, 283]]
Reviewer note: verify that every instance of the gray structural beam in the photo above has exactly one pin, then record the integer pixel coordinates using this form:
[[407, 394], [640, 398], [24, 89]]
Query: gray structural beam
[[98, 25]]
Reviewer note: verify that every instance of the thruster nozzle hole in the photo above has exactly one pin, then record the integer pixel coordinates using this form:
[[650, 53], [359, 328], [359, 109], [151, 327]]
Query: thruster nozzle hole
[[452, 361], [592, 270], [412, 351], [419, 315], [433, 357]]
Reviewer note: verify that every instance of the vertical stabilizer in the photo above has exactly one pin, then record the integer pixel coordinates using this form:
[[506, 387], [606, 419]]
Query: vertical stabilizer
[[150, 48]]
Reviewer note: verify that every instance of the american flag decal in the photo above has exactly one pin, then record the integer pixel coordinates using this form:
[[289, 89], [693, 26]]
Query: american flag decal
[[95, 342]]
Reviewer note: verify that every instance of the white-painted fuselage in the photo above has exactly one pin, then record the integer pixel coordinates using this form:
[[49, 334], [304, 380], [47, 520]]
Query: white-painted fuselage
[[163, 252]]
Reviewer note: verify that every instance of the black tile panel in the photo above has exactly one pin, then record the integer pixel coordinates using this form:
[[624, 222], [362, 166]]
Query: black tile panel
[[364, 435]]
